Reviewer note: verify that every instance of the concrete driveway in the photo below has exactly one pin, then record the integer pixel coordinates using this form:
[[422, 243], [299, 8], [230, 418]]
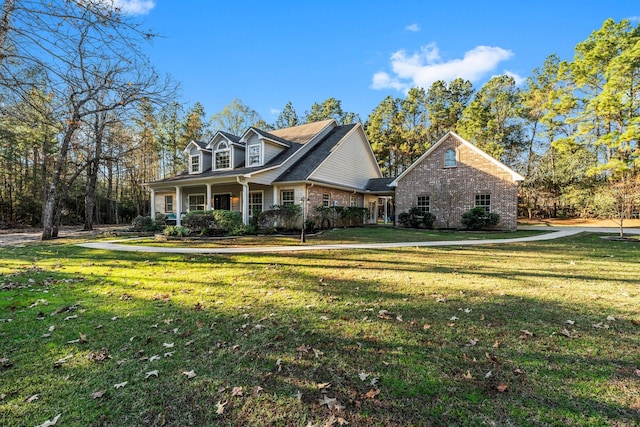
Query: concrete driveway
[[554, 233]]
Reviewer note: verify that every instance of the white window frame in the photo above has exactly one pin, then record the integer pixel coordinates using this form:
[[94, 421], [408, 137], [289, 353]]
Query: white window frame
[[450, 162], [326, 200], [222, 147], [353, 200], [198, 158], [254, 159], [424, 203], [197, 205], [484, 200], [252, 204], [168, 204], [287, 201]]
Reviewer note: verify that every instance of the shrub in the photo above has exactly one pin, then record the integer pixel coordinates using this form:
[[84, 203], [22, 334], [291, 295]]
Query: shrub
[[145, 223], [428, 219], [200, 220], [413, 218], [478, 218], [177, 230], [280, 216], [227, 221]]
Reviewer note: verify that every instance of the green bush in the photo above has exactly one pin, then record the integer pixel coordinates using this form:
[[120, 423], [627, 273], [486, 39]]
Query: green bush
[[227, 221], [280, 216], [412, 219], [428, 219], [145, 223], [200, 220], [177, 230], [478, 218]]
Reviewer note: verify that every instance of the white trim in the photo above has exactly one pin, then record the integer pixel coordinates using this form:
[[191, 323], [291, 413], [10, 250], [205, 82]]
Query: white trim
[[514, 175], [200, 161], [261, 192], [217, 150], [260, 146], [204, 198]]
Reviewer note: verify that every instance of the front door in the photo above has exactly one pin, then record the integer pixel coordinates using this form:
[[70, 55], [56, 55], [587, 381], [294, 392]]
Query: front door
[[222, 202]]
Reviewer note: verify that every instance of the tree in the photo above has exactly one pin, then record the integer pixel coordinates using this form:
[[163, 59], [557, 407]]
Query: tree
[[287, 117], [445, 104], [168, 137], [330, 108], [414, 122], [383, 132], [235, 118], [491, 120]]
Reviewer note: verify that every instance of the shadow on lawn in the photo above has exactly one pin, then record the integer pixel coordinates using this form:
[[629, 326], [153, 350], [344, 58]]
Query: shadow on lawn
[[426, 375]]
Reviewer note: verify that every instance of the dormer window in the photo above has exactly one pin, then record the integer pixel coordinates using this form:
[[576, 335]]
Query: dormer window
[[195, 164], [450, 160], [255, 155], [222, 155]]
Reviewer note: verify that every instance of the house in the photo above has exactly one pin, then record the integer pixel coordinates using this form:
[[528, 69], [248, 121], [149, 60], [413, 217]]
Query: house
[[321, 163], [326, 164], [454, 176]]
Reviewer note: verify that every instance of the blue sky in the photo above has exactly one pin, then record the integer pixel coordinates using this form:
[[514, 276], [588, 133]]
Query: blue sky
[[267, 53]]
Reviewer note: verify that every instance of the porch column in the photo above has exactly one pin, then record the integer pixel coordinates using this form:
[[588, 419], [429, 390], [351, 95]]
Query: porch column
[[386, 211], [178, 205], [245, 203], [208, 204], [276, 193], [153, 204]]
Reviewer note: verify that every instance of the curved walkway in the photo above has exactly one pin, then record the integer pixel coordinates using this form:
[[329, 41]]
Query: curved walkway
[[554, 233]]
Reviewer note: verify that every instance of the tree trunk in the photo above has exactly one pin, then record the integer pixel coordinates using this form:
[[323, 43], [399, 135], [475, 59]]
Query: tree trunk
[[5, 25]]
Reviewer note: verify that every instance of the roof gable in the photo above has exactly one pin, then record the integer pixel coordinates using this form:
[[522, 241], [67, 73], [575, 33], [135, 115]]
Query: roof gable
[[514, 175], [303, 133]]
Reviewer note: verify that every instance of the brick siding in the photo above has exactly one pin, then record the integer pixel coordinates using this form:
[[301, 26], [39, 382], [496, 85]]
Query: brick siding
[[452, 190]]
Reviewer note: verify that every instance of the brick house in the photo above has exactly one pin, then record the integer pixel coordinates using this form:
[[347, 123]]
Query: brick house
[[325, 164], [454, 176]]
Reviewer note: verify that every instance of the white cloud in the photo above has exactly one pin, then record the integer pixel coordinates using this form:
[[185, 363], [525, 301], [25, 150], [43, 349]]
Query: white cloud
[[426, 66], [131, 7], [414, 28], [274, 111], [634, 18]]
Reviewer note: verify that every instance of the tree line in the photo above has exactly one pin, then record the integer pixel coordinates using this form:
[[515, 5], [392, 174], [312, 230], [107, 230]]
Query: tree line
[[85, 120]]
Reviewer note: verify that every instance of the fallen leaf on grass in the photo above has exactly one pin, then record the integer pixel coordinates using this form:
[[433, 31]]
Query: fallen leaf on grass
[[154, 358], [257, 389], [371, 394], [153, 373], [567, 333], [167, 345], [322, 386], [75, 316], [502, 387], [120, 385], [611, 318], [363, 376], [32, 398], [190, 374], [488, 374], [50, 423], [98, 394], [303, 348], [220, 407], [236, 391], [637, 372], [570, 322], [2, 396], [317, 353], [63, 360], [331, 402], [169, 353]]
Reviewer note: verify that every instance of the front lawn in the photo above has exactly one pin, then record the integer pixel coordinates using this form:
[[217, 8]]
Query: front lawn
[[543, 333]]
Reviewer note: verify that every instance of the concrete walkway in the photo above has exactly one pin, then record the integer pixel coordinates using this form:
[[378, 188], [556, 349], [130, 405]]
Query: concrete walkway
[[554, 233]]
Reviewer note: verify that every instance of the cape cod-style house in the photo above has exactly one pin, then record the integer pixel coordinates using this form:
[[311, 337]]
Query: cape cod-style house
[[326, 164]]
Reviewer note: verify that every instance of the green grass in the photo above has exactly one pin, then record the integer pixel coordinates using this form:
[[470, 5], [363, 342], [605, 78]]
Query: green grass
[[379, 234], [429, 324]]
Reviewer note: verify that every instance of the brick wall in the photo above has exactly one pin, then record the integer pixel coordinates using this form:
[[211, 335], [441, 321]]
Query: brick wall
[[452, 190]]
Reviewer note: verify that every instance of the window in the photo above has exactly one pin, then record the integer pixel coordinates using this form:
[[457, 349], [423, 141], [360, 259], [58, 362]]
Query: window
[[450, 158], [484, 200], [326, 199], [196, 202], [195, 163], [222, 156], [423, 204], [353, 200], [168, 204], [255, 203], [255, 157], [287, 198]]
